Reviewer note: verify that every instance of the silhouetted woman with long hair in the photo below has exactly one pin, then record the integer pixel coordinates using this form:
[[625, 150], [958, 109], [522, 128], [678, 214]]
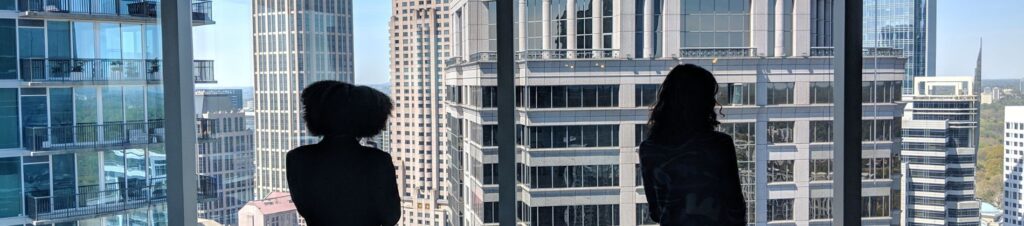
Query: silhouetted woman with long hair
[[338, 181], [689, 170]]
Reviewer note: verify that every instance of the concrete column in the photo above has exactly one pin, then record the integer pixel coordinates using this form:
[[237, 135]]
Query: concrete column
[[570, 28], [648, 29], [801, 27], [623, 30], [780, 33], [596, 21], [759, 27], [671, 22], [522, 25], [545, 11]]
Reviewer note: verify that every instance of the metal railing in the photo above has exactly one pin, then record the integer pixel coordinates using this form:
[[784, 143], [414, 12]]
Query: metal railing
[[822, 51], [202, 10], [55, 138], [717, 52], [551, 54], [868, 52], [110, 198], [94, 70]]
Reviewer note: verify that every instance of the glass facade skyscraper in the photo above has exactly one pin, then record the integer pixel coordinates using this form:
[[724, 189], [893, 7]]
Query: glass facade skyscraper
[[907, 25], [296, 43], [81, 112]]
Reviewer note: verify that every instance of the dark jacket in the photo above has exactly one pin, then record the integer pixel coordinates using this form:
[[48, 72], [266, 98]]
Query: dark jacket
[[693, 181], [339, 182]]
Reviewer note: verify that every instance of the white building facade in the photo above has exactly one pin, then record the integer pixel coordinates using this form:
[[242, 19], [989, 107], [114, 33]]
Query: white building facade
[[587, 72], [940, 138], [420, 41], [225, 154], [1013, 166], [295, 43]]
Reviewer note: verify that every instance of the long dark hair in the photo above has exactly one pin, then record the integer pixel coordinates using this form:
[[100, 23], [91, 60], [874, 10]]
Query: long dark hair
[[686, 104]]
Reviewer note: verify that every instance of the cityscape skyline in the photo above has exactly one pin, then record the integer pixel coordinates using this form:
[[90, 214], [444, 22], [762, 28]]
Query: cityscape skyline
[[959, 27]]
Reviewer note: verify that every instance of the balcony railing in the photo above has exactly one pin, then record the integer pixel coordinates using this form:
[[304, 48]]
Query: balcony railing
[[100, 70], [717, 52], [868, 52], [57, 138], [111, 198], [202, 10], [551, 54]]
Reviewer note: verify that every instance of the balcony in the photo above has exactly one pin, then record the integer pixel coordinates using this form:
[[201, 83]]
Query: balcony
[[92, 201], [95, 137], [43, 70], [144, 11], [717, 52], [868, 52]]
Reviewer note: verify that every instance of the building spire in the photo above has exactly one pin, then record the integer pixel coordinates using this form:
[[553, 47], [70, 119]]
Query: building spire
[[977, 68]]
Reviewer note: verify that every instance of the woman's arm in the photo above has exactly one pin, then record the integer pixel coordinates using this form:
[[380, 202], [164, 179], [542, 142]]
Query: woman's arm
[[649, 191], [294, 173], [391, 206]]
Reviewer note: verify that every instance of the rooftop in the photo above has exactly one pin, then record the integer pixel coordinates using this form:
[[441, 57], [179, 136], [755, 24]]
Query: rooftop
[[275, 202]]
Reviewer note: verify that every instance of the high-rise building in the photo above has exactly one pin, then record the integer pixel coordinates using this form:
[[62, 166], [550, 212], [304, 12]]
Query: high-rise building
[[81, 112], [907, 25], [420, 41], [295, 43], [588, 70], [225, 154], [1013, 166], [940, 130], [276, 209], [235, 95]]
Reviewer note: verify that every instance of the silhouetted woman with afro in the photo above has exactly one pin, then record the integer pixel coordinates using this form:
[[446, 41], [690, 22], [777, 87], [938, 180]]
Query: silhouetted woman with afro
[[338, 181], [689, 169]]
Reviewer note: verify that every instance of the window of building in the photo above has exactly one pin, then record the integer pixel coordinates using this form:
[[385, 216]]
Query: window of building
[[780, 93], [600, 215], [646, 94], [780, 171], [573, 136], [780, 132], [821, 208], [574, 176], [780, 209], [573, 96], [643, 215], [736, 94], [875, 206], [711, 24], [10, 187], [821, 131], [821, 169], [821, 92]]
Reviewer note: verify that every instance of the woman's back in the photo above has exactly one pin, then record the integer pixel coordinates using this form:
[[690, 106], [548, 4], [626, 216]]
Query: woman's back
[[693, 182], [338, 180]]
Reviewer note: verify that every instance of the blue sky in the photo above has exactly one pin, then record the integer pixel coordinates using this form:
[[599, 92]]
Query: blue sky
[[961, 24]]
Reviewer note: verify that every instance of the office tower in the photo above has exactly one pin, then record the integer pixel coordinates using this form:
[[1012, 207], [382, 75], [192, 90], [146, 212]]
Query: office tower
[[275, 209], [939, 147], [225, 154], [587, 72], [419, 44], [907, 25], [1013, 166], [81, 112], [235, 95], [295, 43]]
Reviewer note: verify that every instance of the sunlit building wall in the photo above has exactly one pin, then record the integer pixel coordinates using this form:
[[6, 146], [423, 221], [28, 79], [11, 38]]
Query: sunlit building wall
[[295, 43], [419, 43], [587, 72]]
